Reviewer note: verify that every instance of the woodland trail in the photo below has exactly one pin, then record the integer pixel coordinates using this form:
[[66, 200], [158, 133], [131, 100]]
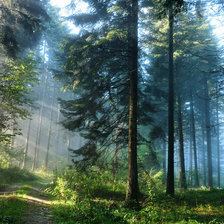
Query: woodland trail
[[37, 203]]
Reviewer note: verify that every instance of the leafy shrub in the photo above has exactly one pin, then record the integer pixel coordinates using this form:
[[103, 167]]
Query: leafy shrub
[[76, 185], [152, 183]]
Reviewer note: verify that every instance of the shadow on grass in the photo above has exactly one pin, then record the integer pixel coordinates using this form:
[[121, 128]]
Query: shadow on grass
[[108, 194], [12, 209], [193, 198]]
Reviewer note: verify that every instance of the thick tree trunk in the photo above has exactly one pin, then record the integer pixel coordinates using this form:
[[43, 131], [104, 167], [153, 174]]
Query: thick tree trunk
[[194, 142], [26, 146], [183, 183], [208, 133], [132, 179], [170, 173]]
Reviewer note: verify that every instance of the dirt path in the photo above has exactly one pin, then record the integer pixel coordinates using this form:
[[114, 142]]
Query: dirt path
[[38, 213], [38, 205]]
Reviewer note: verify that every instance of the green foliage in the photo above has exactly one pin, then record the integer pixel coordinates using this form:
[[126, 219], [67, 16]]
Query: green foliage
[[188, 207], [21, 24], [85, 213], [9, 156], [16, 79], [91, 197], [76, 185], [152, 183]]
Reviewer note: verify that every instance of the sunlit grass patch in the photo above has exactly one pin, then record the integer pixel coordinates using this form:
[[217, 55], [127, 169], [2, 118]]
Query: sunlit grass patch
[[43, 174], [85, 212]]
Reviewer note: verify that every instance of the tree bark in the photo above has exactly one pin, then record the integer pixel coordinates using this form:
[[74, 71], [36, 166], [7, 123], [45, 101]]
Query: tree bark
[[194, 141], [57, 136], [164, 162], [218, 143], [132, 179], [183, 183], [68, 145], [208, 133], [190, 162], [203, 154], [170, 173]]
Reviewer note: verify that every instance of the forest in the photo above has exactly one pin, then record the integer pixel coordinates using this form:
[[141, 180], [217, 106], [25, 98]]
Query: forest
[[111, 111]]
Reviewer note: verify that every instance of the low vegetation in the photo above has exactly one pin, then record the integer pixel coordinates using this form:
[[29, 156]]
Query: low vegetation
[[94, 198], [13, 175], [12, 209]]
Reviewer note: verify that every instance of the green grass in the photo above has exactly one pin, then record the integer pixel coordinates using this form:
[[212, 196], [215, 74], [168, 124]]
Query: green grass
[[92, 198], [12, 209], [13, 175], [95, 199], [195, 206]]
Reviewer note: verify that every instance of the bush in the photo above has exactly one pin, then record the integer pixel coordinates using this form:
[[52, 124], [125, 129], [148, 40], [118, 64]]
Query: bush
[[152, 183], [76, 185]]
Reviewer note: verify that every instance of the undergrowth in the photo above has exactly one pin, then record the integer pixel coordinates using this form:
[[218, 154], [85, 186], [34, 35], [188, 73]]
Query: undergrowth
[[94, 197], [14, 175]]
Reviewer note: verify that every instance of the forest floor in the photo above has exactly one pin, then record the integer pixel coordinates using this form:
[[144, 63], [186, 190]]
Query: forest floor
[[26, 203]]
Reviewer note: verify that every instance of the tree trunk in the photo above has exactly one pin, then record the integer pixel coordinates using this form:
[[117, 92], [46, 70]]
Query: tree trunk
[[194, 142], [183, 183], [208, 133], [49, 133], [164, 162], [203, 155], [37, 143], [115, 160], [132, 179], [68, 146], [26, 146], [190, 162], [170, 173], [12, 143], [116, 152], [218, 144], [57, 136]]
